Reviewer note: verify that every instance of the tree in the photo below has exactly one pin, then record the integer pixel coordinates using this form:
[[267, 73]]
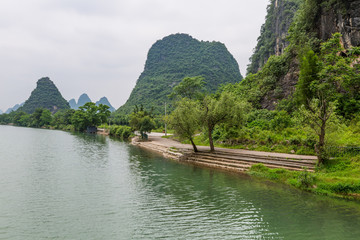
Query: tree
[[320, 82], [79, 120], [45, 118], [142, 121], [185, 119], [90, 115], [62, 118], [189, 87], [222, 109], [36, 118], [309, 70], [18, 118]]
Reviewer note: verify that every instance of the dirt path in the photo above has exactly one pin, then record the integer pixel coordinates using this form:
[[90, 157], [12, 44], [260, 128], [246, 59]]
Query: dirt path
[[156, 139]]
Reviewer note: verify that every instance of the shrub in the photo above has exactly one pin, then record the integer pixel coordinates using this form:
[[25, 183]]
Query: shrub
[[123, 132], [281, 121], [119, 131], [126, 132], [306, 179]]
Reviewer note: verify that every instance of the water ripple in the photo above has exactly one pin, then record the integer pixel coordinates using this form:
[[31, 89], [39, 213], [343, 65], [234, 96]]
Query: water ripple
[[56, 185]]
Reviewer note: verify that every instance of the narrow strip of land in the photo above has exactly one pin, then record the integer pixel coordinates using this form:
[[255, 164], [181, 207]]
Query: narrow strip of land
[[230, 159]]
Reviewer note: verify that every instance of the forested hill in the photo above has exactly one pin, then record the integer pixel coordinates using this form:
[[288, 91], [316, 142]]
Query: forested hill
[[175, 57], [45, 95], [272, 39]]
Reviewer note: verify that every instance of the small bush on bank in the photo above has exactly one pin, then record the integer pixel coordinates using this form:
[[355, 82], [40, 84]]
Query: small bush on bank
[[123, 132]]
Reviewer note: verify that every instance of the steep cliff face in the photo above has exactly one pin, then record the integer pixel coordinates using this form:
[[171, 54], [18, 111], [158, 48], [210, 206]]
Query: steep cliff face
[[272, 39], [343, 17], [327, 17]]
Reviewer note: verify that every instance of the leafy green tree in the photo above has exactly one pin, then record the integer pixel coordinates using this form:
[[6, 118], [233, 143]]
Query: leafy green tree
[[142, 121], [79, 120], [45, 118], [62, 118], [320, 83], [185, 120], [222, 109], [18, 118], [36, 117], [90, 115], [310, 68], [25, 120]]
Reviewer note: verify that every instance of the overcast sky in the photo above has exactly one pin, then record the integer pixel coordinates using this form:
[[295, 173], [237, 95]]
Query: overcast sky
[[100, 47]]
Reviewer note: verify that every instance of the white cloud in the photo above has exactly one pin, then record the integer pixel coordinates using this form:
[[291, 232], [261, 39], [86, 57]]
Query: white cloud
[[100, 47]]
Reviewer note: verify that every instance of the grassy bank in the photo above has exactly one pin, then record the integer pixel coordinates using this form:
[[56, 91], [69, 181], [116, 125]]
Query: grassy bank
[[339, 177]]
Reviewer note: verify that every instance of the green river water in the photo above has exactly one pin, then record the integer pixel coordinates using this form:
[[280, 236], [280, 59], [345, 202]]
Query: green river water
[[60, 185]]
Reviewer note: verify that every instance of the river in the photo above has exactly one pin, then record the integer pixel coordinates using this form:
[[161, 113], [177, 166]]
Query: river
[[60, 185]]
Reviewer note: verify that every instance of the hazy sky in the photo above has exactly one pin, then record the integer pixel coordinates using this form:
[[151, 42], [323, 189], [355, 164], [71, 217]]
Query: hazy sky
[[100, 47]]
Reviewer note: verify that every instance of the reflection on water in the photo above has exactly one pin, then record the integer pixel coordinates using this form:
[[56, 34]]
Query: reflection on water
[[93, 149], [61, 185]]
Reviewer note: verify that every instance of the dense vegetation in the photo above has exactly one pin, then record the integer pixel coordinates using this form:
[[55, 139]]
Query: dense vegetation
[[175, 57], [45, 95], [88, 115]]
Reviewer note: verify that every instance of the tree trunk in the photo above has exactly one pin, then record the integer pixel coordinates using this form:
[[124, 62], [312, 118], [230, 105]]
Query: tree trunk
[[212, 148], [321, 146], [193, 144]]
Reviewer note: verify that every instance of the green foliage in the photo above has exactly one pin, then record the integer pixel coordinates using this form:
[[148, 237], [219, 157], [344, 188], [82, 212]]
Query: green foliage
[[185, 119], [225, 108], [45, 95], [320, 85], [45, 118], [256, 86], [280, 121], [331, 180], [119, 119], [90, 115], [62, 118], [174, 58], [142, 121], [306, 179], [122, 132], [309, 71]]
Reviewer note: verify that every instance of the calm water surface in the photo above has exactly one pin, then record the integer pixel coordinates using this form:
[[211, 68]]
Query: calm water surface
[[58, 185]]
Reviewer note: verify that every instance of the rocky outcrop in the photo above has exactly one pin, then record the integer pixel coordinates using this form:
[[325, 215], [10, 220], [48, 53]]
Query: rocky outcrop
[[330, 17], [343, 17], [272, 40], [285, 87]]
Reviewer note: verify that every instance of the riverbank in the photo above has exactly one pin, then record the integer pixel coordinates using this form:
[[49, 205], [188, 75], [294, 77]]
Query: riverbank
[[338, 178]]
